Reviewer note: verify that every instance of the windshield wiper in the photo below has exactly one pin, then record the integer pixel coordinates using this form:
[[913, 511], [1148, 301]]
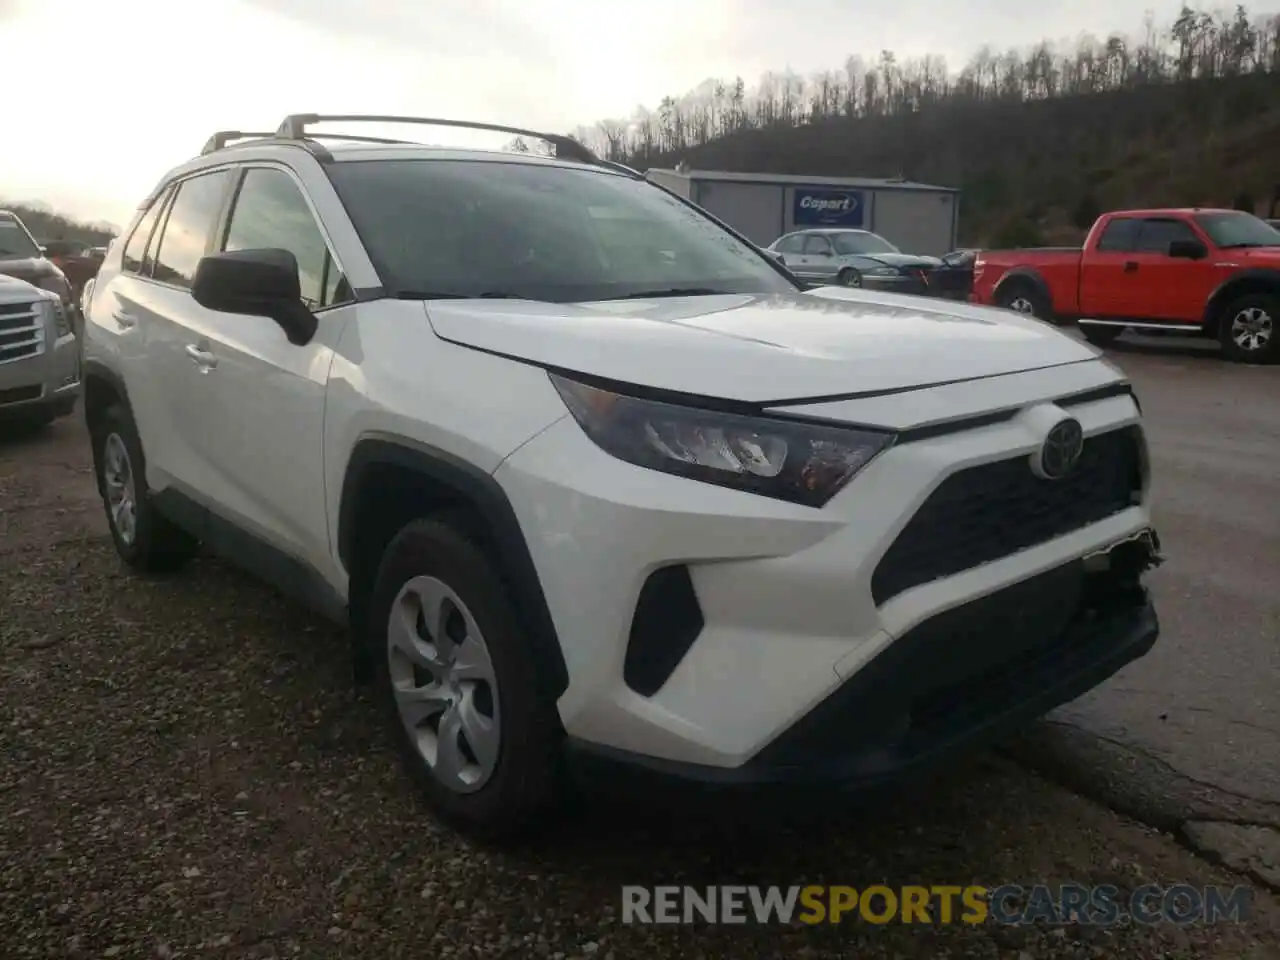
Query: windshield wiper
[[1248, 243], [670, 292], [438, 295]]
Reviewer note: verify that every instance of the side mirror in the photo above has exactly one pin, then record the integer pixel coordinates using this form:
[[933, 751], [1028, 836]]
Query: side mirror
[[777, 256], [1188, 250], [262, 283]]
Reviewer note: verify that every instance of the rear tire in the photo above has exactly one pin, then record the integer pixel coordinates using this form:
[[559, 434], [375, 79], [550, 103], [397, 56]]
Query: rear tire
[[480, 740], [1099, 335], [1248, 329], [144, 539], [1025, 299]]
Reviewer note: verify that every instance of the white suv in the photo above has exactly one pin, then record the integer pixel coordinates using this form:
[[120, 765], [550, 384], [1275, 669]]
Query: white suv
[[596, 485]]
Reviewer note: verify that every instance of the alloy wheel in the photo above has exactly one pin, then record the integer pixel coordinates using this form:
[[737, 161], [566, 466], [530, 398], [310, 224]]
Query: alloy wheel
[[118, 484], [444, 683], [1251, 329]]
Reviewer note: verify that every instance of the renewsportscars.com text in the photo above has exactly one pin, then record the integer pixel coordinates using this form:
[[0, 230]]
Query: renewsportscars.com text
[[879, 904]]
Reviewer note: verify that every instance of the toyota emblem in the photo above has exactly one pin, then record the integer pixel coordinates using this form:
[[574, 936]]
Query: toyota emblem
[[1060, 451]]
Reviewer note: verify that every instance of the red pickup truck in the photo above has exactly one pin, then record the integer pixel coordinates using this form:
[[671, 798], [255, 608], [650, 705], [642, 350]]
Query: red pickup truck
[[1212, 272]]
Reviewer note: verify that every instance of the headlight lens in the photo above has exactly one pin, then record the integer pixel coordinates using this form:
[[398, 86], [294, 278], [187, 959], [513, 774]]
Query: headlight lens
[[54, 283], [788, 460], [884, 272], [61, 321]]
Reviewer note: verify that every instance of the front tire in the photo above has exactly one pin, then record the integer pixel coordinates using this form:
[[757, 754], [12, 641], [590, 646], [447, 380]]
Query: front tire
[[144, 539], [454, 669], [849, 277], [1248, 331]]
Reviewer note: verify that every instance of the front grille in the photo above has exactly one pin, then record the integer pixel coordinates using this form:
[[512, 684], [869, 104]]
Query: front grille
[[21, 331], [990, 511]]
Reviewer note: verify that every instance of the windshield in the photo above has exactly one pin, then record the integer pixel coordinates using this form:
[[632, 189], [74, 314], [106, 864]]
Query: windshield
[[456, 228], [853, 243], [15, 242], [1238, 230]]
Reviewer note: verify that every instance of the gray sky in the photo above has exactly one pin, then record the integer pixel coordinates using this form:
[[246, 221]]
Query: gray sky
[[130, 88]]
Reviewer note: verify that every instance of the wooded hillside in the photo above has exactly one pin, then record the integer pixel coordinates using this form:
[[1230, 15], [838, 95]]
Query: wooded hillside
[[1038, 140]]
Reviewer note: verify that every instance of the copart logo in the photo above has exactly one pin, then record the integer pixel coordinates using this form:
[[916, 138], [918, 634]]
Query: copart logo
[[827, 204]]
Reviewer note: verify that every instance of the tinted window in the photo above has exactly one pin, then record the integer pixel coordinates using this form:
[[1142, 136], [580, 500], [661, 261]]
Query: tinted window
[[814, 244], [1118, 235], [15, 242], [136, 249], [1156, 235], [189, 227], [270, 211], [454, 228], [1239, 230], [791, 244], [855, 243]]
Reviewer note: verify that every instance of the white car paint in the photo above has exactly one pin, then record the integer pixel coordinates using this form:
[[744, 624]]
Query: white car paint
[[264, 439]]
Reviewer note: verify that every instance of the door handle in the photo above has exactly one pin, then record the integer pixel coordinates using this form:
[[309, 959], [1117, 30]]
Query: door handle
[[126, 320], [1130, 266], [205, 360]]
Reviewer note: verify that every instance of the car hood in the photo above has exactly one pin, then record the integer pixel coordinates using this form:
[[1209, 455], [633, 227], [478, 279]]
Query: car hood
[[828, 342], [28, 268], [901, 259], [12, 288], [1258, 256]]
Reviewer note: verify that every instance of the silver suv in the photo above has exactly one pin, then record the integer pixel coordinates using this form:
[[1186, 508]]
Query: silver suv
[[39, 354]]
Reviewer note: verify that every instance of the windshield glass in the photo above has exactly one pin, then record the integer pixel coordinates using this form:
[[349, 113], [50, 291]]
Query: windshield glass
[[853, 243], [15, 241], [1238, 230], [456, 228]]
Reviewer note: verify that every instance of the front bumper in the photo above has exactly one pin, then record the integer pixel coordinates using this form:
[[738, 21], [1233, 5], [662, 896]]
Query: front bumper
[[47, 379], [956, 682], [914, 286], [787, 606]]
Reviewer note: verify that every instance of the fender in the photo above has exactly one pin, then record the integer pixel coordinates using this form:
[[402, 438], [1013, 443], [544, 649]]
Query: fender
[[1028, 275], [1252, 277], [97, 370], [479, 490]]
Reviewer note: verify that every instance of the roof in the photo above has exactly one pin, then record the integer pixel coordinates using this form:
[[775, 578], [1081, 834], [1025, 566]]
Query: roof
[[787, 179], [1166, 211]]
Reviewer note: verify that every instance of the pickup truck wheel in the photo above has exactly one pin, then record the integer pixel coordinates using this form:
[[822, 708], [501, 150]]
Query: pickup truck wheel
[[849, 277], [1248, 329], [144, 539], [455, 672], [1100, 335], [1024, 299]]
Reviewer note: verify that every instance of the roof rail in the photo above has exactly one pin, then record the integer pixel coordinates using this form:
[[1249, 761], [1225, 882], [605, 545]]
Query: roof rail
[[223, 137], [294, 127]]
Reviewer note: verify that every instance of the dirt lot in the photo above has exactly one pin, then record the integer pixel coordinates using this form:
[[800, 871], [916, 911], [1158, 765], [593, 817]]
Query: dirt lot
[[188, 773]]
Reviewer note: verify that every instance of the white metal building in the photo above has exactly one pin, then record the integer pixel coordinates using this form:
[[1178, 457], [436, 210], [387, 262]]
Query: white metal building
[[915, 217]]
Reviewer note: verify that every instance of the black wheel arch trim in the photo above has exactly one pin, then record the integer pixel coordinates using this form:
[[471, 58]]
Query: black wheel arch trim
[[1222, 293], [481, 491], [1028, 275], [96, 369]]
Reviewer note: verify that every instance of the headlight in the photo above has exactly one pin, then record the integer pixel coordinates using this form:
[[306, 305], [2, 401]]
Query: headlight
[[884, 272], [785, 459], [61, 321]]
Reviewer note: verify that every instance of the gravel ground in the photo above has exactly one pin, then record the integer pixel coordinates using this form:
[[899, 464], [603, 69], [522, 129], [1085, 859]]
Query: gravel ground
[[188, 773]]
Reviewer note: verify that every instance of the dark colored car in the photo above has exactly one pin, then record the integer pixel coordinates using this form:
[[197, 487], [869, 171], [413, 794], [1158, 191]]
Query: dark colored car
[[21, 257], [953, 279], [78, 260]]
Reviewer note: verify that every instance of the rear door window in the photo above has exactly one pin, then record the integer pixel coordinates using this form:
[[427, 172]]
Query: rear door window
[[135, 251], [188, 229]]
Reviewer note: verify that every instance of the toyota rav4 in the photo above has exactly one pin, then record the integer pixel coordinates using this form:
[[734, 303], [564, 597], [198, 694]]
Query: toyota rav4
[[596, 485]]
